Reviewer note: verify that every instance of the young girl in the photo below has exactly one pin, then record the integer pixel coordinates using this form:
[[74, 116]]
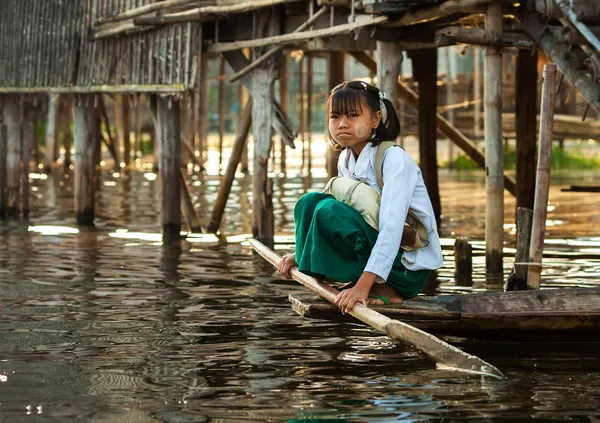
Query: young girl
[[334, 241]]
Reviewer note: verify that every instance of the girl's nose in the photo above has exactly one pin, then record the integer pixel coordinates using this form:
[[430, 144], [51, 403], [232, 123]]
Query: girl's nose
[[343, 122]]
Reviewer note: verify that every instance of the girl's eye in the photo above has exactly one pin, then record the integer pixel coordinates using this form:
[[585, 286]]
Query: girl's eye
[[353, 114]]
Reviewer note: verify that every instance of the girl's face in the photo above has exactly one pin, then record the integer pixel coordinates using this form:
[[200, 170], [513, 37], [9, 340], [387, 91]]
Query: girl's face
[[355, 127]]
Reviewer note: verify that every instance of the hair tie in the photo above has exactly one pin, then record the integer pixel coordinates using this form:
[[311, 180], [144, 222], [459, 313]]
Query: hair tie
[[383, 96]]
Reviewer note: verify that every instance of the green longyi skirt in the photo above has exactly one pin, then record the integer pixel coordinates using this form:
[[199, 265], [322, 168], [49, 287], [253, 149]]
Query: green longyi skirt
[[334, 241]]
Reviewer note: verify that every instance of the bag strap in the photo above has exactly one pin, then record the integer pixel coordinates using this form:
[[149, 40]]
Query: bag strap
[[381, 149]]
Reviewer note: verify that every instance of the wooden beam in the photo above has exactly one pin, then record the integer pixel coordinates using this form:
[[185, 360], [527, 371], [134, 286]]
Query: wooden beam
[[459, 35], [294, 37], [142, 10], [457, 137], [419, 16]]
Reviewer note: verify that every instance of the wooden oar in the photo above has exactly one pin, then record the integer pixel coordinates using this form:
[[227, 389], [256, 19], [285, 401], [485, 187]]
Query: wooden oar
[[445, 355]]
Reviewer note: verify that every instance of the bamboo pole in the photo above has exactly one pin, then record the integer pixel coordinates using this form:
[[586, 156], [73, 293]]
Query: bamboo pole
[[125, 134], [477, 93], [309, 100], [301, 97], [445, 355], [538, 226], [51, 130], [234, 160], [168, 130], [67, 120], [524, 218], [142, 10], [494, 153]]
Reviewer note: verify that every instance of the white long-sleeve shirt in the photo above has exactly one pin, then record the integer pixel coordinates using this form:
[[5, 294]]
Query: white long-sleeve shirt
[[403, 188]]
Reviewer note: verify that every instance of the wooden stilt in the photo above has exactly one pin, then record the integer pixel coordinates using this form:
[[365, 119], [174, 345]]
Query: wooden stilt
[[283, 102], [12, 120], [26, 141], [35, 147], [170, 162], [389, 64], [476, 93], [241, 141], [301, 100], [450, 76], [67, 120], [526, 122], [191, 217], [540, 209], [86, 123], [221, 108], [519, 281], [125, 129], [244, 98], [335, 77], [202, 121], [463, 260], [97, 141], [137, 138], [3, 170], [51, 130], [263, 78], [494, 153], [309, 100], [425, 71]]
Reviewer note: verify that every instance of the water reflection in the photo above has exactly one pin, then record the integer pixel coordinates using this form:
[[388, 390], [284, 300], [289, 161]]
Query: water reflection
[[115, 323]]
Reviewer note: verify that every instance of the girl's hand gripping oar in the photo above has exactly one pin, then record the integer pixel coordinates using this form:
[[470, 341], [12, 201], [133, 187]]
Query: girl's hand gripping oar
[[445, 355]]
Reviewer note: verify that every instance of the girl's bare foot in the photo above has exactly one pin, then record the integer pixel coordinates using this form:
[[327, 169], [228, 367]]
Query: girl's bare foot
[[384, 290]]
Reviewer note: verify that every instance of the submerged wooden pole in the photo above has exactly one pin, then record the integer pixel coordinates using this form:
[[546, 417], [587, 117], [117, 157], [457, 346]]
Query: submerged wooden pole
[[494, 153], [524, 218], [540, 208], [463, 263], [86, 123], [241, 140], [168, 130], [191, 217], [12, 120], [335, 76], [446, 356]]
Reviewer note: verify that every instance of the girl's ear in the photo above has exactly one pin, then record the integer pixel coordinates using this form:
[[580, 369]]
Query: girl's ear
[[376, 119]]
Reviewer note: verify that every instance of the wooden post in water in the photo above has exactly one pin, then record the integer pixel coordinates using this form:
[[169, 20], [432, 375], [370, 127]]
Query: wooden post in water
[[51, 130], [536, 247], [241, 140], [168, 132], [526, 126], [244, 99], [494, 153], [335, 76], [66, 121], [425, 71], [283, 102], [191, 217], [125, 121], [309, 100], [3, 174], [12, 120], [202, 109], [28, 128], [524, 218], [301, 97], [476, 93], [463, 261], [388, 57], [263, 78], [221, 108], [86, 123], [450, 100]]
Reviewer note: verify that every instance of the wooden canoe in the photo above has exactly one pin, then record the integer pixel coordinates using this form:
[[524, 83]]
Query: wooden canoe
[[544, 315]]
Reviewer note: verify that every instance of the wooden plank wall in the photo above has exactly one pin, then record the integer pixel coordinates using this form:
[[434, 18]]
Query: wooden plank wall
[[46, 44]]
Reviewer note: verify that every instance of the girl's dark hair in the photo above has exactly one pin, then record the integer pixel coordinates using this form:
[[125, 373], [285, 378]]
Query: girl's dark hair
[[347, 97]]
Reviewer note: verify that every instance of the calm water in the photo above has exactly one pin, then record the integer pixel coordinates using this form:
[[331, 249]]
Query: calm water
[[112, 325]]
